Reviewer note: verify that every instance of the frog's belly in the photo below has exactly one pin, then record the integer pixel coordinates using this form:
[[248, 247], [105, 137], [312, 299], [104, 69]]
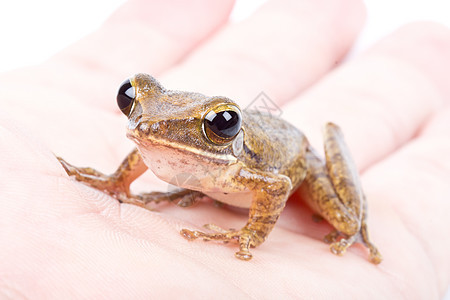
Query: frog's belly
[[243, 199], [192, 173]]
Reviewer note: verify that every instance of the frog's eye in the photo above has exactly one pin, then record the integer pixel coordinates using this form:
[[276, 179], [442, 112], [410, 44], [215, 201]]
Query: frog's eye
[[222, 124], [125, 96]]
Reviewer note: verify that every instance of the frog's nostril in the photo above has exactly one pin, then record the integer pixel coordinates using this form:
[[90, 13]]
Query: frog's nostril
[[126, 96]]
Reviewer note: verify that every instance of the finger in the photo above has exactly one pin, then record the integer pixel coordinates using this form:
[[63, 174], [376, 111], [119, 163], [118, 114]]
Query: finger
[[382, 98], [283, 48], [142, 35], [149, 35], [414, 184]]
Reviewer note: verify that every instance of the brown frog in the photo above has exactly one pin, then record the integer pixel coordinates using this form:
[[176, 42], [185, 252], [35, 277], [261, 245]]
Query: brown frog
[[241, 158]]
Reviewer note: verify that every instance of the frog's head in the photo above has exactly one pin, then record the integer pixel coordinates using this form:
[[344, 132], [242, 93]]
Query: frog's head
[[196, 127]]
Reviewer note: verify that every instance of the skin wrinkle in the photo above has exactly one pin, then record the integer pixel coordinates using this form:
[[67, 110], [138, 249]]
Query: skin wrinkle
[[392, 126], [419, 243], [212, 269], [396, 136], [422, 242], [395, 274], [186, 254], [428, 163], [403, 289], [9, 291], [94, 206]]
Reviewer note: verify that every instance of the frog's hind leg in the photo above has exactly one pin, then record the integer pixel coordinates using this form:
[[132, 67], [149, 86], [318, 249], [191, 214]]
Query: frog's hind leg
[[345, 179], [118, 183], [339, 247], [333, 190]]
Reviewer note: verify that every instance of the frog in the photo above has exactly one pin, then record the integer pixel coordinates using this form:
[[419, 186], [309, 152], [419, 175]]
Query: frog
[[242, 158]]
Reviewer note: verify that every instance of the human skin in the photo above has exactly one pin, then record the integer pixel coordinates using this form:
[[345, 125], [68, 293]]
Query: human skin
[[60, 238]]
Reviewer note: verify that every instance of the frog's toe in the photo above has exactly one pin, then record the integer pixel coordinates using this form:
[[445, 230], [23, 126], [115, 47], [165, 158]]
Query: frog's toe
[[67, 167], [338, 248], [375, 257], [243, 255], [195, 234], [341, 246], [331, 237], [189, 234], [245, 239]]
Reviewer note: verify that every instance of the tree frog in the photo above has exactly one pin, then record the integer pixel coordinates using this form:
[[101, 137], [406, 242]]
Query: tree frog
[[253, 160]]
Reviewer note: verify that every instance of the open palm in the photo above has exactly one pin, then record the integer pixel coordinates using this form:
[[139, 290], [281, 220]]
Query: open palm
[[60, 238]]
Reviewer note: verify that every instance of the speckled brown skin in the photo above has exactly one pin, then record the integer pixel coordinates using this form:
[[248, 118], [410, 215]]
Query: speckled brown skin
[[265, 163], [334, 192], [267, 204]]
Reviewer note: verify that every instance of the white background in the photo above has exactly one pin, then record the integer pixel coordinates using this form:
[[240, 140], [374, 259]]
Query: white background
[[31, 31]]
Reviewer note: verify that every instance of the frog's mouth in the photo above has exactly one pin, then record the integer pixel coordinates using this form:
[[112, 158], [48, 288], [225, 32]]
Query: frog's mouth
[[197, 154], [168, 161]]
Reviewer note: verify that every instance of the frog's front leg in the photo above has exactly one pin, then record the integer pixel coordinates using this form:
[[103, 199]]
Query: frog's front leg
[[334, 191], [270, 193], [118, 183]]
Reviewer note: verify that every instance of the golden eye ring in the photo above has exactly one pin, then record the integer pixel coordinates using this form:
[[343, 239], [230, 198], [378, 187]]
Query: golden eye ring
[[222, 123]]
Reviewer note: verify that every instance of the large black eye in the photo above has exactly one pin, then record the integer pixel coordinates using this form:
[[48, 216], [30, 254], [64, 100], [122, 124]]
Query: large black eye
[[125, 97], [222, 124]]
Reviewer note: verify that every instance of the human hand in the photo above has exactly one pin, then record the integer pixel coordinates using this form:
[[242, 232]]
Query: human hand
[[61, 238]]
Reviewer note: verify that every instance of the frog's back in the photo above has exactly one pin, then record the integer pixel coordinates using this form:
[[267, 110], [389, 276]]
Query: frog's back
[[274, 145]]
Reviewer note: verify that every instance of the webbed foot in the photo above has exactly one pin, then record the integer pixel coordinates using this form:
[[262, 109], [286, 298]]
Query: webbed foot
[[244, 237], [339, 247]]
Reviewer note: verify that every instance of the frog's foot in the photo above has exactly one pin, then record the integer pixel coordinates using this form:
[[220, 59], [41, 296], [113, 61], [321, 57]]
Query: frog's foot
[[339, 247], [106, 183], [244, 237], [375, 256], [109, 184], [117, 187], [331, 237], [71, 170]]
